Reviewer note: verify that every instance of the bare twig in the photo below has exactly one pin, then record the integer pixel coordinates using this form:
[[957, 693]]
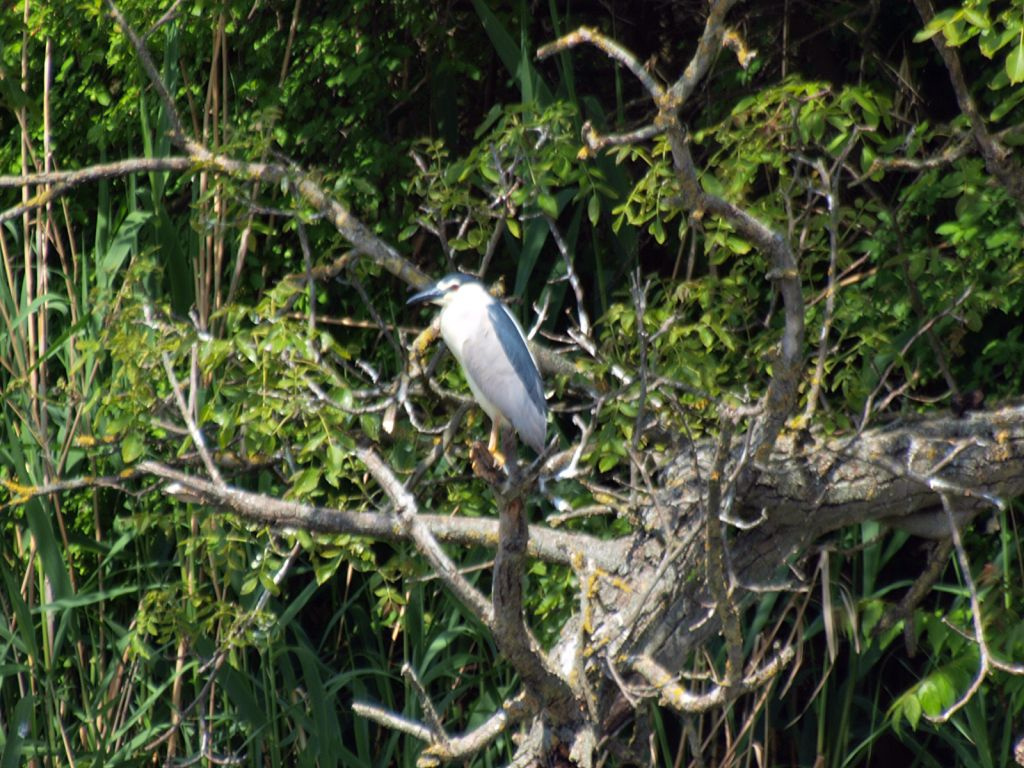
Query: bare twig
[[392, 720], [639, 294], [462, 747], [433, 718], [178, 135], [183, 409], [443, 748], [609, 47], [407, 511], [945, 157], [676, 696], [919, 589], [595, 141], [571, 276], [830, 191], [986, 661], [925, 327]]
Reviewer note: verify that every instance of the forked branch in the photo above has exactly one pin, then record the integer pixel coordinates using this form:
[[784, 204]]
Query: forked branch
[[780, 398]]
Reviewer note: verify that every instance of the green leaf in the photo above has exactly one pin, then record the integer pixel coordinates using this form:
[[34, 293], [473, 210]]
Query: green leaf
[[594, 210], [19, 725], [938, 22], [1010, 102], [737, 245], [87, 598], [335, 457], [124, 242], [490, 173], [513, 56], [976, 17], [658, 230], [548, 205], [305, 482], [132, 447], [912, 711], [1015, 63], [991, 40]]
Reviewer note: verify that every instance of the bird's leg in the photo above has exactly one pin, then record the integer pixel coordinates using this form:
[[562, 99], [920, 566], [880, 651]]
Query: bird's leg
[[508, 447], [492, 444]]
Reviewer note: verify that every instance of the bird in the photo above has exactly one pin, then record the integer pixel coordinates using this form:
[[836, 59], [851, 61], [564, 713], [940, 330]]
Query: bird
[[491, 349]]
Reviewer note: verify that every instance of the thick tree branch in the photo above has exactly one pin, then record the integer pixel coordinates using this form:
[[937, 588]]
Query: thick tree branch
[[887, 474], [656, 637], [545, 544], [510, 632]]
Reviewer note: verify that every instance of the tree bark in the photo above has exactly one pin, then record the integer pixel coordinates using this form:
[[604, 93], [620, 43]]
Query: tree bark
[[892, 474]]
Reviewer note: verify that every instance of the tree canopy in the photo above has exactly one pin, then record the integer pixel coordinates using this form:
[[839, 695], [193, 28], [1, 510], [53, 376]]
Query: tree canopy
[[771, 262]]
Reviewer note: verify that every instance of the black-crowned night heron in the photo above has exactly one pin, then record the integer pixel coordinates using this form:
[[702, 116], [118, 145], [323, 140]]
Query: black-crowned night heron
[[491, 348]]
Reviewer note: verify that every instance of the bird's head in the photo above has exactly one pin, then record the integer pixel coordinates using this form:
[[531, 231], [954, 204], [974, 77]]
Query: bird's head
[[445, 290]]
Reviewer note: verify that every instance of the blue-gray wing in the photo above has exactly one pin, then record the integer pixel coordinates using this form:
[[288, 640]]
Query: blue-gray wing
[[501, 369]]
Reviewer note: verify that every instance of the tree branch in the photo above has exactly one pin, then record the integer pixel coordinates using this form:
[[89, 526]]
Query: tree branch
[[426, 544], [780, 398], [707, 48], [613, 50], [461, 747], [545, 544], [510, 632], [812, 490], [65, 181], [353, 230], [673, 694], [998, 159]]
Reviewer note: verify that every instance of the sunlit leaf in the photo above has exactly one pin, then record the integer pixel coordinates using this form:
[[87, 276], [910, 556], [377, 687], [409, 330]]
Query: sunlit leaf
[[1015, 63]]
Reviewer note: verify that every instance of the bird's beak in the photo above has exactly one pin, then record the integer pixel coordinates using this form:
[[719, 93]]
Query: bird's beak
[[429, 294]]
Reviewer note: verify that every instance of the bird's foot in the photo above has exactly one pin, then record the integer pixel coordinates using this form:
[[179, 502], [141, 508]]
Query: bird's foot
[[486, 464]]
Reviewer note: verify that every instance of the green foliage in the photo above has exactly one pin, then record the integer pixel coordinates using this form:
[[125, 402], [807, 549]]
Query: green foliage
[[517, 183], [133, 610], [996, 30], [127, 615]]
